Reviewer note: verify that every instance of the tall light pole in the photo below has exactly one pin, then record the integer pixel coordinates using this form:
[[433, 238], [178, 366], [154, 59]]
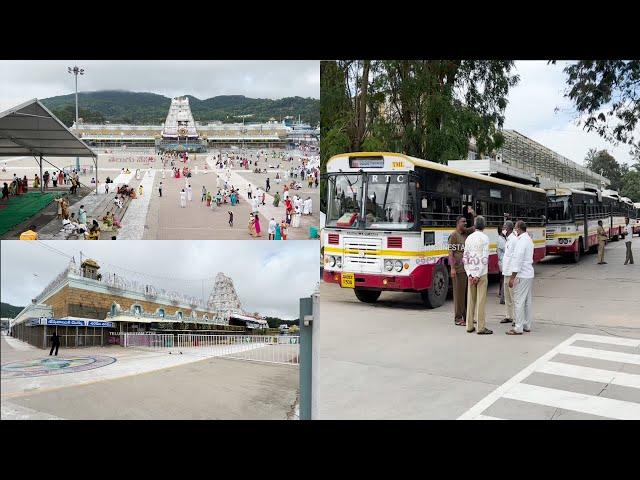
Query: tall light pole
[[75, 70]]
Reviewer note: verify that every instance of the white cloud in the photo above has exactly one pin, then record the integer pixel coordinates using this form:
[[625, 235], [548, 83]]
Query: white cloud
[[532, 112], [23, 80], [270, 277]]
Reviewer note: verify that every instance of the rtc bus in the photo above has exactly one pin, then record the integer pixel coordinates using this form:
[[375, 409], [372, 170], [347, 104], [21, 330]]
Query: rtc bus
[[572, 219], [636, 211], [389, 217]]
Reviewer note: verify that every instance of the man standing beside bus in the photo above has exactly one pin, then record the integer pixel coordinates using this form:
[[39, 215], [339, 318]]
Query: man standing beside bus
[[602, 239], [521, 280], [629, 234], [476, 263], [458, 274], [512, 238]]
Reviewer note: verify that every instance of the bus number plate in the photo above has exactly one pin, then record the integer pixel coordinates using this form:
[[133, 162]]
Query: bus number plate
[[348, 280]]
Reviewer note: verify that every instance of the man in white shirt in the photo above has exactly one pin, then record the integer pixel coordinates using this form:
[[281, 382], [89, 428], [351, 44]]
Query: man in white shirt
[[512, 238], [521, 280], [272, 229], [629, 237], [476, 261]]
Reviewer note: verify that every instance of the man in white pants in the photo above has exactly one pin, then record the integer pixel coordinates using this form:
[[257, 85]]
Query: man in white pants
[[512, 238], [521, 280]]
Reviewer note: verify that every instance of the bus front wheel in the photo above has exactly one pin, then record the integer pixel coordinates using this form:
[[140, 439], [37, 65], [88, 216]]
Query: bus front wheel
[[367, 296], [575, 256], [436, 295]]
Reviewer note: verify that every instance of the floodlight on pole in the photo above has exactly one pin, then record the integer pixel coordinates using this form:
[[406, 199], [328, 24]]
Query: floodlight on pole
[[75, 70]]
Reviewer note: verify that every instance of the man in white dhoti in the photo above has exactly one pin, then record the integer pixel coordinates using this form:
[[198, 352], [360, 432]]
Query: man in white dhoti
[[189, 193], [521, 280], [254, 204], [183, 199], [163, 174], [137, 174]]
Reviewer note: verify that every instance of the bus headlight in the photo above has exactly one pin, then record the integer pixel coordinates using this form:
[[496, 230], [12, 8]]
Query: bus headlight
[[398, 266], [332, 261], [339, 262], [388, 265]]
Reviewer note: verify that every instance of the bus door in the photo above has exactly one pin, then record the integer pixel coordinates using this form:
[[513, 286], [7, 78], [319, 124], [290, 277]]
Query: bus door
[[585, 240]]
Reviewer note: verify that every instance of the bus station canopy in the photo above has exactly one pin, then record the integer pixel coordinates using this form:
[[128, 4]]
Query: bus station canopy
[[31, 129]]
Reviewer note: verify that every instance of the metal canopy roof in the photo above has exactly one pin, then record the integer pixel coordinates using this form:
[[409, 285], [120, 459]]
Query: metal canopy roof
[[31, 129]]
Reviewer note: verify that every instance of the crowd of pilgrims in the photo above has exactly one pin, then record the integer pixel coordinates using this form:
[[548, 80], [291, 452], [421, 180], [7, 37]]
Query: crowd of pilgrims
[[226, 193], [20, 186]]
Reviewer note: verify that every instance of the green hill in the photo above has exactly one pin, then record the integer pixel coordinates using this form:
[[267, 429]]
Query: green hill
[[117, 106], [9, 311]]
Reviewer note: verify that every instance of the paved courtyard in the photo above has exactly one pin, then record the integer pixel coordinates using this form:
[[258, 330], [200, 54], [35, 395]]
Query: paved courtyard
[[152, 217], [137, 384]]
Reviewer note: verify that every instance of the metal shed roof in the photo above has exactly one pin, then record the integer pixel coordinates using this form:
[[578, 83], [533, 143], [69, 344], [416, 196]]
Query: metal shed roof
[[31, 129]]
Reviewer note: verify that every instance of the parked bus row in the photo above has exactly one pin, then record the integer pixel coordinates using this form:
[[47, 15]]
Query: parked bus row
[[389, 216]]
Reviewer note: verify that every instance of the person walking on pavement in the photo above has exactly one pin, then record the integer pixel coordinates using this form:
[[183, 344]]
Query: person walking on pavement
[[160, 188], [629, 234], [458, 273], [507, 291], [55, 343], [521, 280], [476, 261], [602, 239]]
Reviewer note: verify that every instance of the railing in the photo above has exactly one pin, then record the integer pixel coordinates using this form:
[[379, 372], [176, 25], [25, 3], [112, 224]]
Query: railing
[[281, 349]]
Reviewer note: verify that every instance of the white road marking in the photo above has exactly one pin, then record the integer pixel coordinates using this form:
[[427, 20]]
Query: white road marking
[[601, 354], [591, 374], [578, 402], [627, 342], [487, 401], [513, 388], [487, 417]]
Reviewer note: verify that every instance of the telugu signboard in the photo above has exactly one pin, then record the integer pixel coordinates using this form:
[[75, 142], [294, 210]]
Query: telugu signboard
[[68, 322]]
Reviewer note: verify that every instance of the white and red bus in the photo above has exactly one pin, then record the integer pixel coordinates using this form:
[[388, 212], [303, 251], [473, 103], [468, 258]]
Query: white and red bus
[[572, 220], [636, 215], [389, 217]]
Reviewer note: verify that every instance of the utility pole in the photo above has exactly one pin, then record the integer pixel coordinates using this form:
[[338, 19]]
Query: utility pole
[[75, 70]]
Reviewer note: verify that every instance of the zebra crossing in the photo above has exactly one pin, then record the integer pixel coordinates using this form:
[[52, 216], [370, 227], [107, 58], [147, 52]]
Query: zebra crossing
[[584, 377]]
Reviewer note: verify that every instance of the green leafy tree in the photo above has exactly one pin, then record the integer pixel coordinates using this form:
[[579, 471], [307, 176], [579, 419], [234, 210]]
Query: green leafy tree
[[605, 164], [438, 105], [606, 93], [631, 184]]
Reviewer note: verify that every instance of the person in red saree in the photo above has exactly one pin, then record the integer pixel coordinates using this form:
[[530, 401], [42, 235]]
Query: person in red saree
[[60, 178], [288, 205]]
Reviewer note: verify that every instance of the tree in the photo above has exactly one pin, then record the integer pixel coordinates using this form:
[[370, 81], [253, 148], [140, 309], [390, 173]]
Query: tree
[[631, 184], [439, 105], [604, 89], [603, 163]]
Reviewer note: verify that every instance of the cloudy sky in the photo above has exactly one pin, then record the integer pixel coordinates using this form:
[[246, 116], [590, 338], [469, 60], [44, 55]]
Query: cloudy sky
[[532, 112], [24, 80], [270, 277]]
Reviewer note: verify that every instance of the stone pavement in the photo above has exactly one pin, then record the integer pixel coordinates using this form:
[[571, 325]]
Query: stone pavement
[[166, 220], [148, 385]]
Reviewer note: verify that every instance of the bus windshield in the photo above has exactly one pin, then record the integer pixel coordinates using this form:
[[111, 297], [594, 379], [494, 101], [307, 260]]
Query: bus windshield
[[391, 201], [559, 209], [344, 200]]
